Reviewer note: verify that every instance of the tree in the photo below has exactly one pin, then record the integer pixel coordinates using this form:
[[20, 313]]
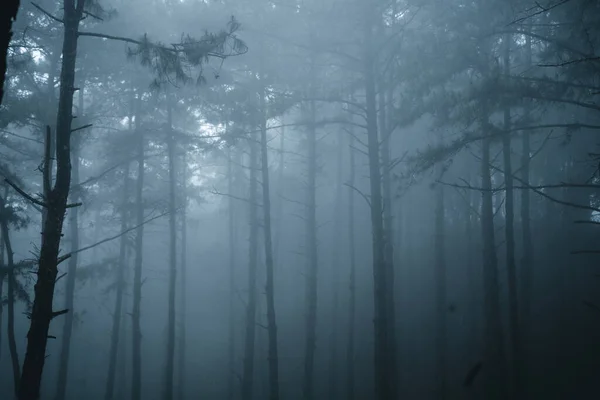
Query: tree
[[11, 9]]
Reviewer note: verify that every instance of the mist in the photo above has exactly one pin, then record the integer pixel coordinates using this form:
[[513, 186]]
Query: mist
[[316, 200]]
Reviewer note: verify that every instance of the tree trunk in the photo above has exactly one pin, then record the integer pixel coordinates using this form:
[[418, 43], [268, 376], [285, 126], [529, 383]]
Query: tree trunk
[[232, 247], [350, 358], [250, 334], [335, 265], [56, 204], [494, 355], [136, 334], [511, 264], [3, 273], [12, 344], [440, 292], [527, 262], [270, 284], [183, 286], [384, 351], [312, 267], [63, 368], [170, 367], [118, 310], [9, 14]]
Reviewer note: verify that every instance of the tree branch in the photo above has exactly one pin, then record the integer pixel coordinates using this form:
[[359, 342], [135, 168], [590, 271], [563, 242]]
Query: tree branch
[[46, 13], [25, 195]]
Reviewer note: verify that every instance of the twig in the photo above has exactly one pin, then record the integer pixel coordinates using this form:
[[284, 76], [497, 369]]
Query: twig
[[364, 196], [25, 195], [81, 128], [46, 13]]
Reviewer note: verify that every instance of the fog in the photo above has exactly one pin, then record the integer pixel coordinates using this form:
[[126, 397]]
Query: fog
[[317, 200]]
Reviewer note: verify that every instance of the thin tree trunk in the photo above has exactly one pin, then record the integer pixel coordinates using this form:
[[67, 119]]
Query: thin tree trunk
[[183, 286], [384, 352], [335, 272], [3, 273], [136, 334], [118, 310], [56, 204], [494, 354], [350, 358], [232, 247], [270, 284], [250, 333], [312, 267], [12, 344], [511, 263], [63, 368], [9, 14], [527, 261], [170, 367], [440, 292]]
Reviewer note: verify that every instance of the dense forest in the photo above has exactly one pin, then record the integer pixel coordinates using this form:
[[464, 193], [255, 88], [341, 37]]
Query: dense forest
[[299, 199]]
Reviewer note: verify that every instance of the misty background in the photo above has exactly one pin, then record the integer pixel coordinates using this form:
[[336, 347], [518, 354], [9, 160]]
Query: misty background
[[319, 200]]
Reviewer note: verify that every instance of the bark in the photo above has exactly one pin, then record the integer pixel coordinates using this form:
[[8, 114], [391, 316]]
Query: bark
[[494, 354], [12, 344], [136, 334], [2, 277], [170, 367], [56, 202], [312, 267], [120, 281], [63, 367], [8, 15], [384, 351], [440, 293], [270, 284], [250, 332], [350, 357], [181, 357]]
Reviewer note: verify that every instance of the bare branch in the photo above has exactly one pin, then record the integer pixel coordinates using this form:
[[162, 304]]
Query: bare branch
[[46, 13], [25, 195], [81, 128], [364, 196]]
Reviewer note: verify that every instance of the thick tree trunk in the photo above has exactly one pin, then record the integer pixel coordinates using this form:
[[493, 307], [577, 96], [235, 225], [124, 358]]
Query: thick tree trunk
[[63, 367], [181, 357], [56, 202], [270, 284], [118, 310], [494, 354], [312, 260], [250, 332], [350, 357], [170, 365], [384, 351], [136, 334], [8, 15], [12, 344], [440, 292]]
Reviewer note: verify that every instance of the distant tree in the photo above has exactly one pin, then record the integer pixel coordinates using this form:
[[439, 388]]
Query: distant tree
[[9, 14]]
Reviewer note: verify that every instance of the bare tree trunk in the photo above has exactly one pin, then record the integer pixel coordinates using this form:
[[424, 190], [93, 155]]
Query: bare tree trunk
[[384, 352], [335, 273], [170, 367], [12, 344], [3, 273], [350, 357], [9, 14], [183, 286], [63, 368], [511, 263], [494, 354], [232, 248], [440, 292], [312, 267], [56, 204], [136, 334], [250, 334], [118, 310], [270, 285], [527, 261]]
